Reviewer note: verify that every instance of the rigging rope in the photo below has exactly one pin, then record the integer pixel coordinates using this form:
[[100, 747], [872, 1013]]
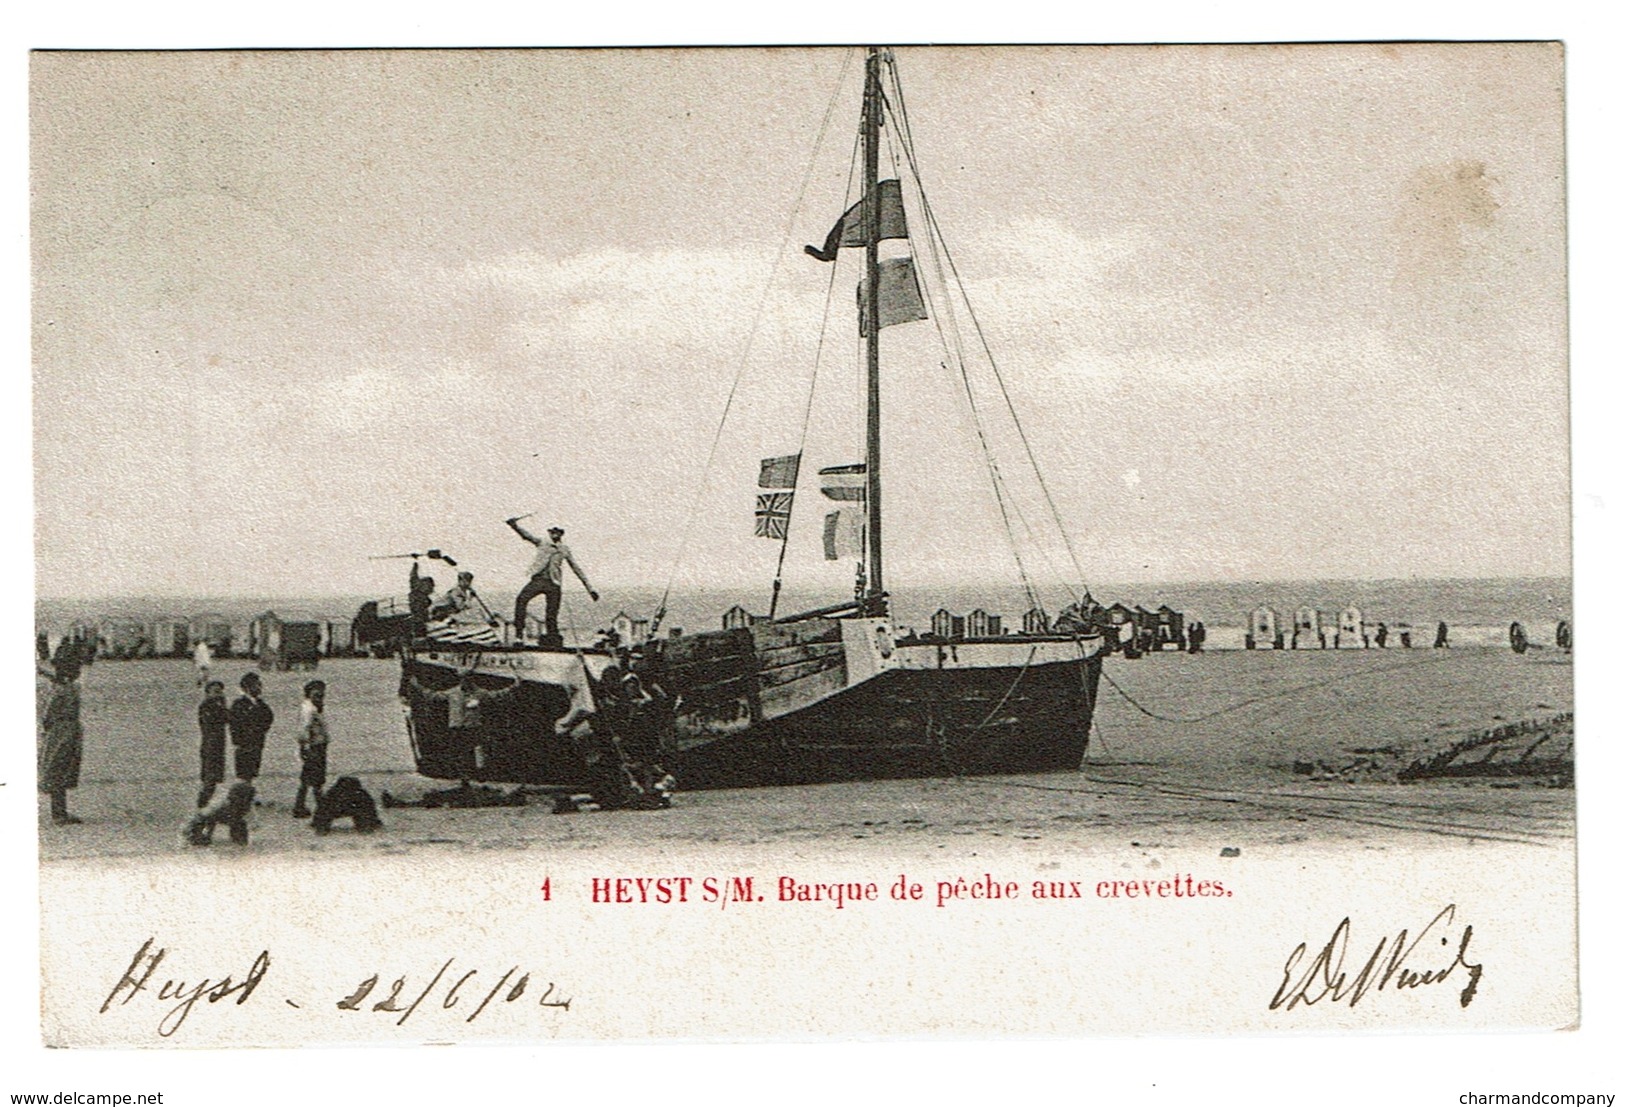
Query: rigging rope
[[934, 227], [1252, 700], [812, 386], [953, 350], [744, 358]]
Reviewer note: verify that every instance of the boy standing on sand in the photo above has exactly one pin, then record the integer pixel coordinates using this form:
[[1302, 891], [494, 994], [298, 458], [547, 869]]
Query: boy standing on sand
[[211, 723], [250, 721], [312, 747]]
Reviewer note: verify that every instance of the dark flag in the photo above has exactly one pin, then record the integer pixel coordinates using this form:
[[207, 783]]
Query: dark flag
[[848, 229], [900, 300], [779, 472]]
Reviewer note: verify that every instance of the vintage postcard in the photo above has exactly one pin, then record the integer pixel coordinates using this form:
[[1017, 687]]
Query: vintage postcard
[[671, 544]]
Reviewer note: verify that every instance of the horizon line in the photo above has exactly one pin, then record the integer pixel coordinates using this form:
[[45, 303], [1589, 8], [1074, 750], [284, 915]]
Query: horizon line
[[108, 596]]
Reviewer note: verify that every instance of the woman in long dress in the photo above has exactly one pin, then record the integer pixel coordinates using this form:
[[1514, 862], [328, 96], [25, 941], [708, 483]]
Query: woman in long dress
[[63, 742]]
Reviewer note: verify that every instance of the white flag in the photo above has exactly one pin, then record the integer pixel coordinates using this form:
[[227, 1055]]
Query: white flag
[[843, 534]]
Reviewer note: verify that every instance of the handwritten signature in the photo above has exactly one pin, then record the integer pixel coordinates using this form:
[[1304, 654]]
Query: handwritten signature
[[140, 979], [1324, 977]]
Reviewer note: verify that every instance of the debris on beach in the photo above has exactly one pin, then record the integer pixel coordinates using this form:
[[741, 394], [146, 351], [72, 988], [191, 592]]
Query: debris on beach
[[464, 795], [1362, 770], [1539, 749]]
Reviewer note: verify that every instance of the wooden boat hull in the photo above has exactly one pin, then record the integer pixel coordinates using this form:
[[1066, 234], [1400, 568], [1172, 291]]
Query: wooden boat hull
[[823, 700]]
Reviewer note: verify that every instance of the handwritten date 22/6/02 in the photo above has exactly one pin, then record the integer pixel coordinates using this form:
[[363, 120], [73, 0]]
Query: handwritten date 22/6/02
[[466, 991], [403, 997]]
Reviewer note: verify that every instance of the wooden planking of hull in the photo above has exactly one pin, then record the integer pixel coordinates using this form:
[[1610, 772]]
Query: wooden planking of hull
[[819, 700]]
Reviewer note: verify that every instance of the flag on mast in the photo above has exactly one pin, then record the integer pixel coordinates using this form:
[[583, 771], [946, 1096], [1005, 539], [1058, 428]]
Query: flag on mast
[[779, 472], [844, 482], [848, 229], [843, 534], [773, 514], [900, 299]]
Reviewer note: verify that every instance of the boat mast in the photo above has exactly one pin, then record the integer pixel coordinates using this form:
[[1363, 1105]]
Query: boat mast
[[874, 599]]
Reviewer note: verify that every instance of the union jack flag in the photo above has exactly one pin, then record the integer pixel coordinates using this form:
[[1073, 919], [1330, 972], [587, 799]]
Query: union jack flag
[[773, 514]]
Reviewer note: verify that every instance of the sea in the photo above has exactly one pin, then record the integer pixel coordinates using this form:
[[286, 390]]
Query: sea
[[1478, 611]]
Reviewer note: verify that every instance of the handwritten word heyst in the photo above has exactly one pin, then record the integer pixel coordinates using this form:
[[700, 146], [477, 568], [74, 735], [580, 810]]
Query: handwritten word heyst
[[453, 987], [943, 891]]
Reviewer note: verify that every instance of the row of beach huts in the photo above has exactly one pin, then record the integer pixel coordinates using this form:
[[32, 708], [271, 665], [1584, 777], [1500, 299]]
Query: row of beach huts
[[269, 638]]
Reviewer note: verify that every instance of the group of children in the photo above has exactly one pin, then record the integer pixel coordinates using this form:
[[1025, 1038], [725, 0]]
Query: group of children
[[247, 722]]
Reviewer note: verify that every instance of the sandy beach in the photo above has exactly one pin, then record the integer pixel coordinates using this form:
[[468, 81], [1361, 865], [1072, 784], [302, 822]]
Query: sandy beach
[[1249, 749]]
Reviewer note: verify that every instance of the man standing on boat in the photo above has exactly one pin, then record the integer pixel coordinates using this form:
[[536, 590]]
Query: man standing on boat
[[546, 579]]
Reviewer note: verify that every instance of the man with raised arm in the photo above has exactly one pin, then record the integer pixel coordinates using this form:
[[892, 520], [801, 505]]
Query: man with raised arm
[[546, 579]]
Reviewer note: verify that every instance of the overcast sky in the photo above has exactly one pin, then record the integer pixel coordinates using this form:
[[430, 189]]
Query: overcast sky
[[1266, 312]]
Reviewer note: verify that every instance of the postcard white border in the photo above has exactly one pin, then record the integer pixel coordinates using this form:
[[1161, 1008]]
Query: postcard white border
[[1135, 1070]]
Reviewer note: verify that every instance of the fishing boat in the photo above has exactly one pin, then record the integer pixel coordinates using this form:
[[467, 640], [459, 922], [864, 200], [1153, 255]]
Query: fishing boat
[[834, 693]]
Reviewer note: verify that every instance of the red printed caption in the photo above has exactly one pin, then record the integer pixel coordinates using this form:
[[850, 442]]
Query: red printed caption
[[942, 892]]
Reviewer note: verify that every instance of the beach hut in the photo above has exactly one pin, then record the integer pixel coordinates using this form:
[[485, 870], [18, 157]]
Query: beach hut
[[122, 638], [1351, 629], [976, 624], [735, 618], [1263, 625], [1170, 628], [1306, 629], [942, 623], [1121, 616], [1145, 625], [1035, 622], [212, 628], [337, 637], [169, 636], [286, 645], [632, 630]]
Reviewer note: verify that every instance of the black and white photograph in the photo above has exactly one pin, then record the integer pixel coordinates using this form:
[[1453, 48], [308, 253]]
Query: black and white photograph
[[803, 543]]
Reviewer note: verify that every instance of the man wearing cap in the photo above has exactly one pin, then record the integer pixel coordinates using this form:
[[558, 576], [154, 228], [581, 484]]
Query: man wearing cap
[[456, 600], [546, 577]]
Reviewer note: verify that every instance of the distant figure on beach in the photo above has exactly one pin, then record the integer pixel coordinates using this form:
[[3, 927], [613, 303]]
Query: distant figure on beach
[[1322, 639], [1441, 637], [63, 742], [249, 722], [1405, 639], [1198, 635], [419, 599], [202, 657], [1294, 637], [546, 578], [1382, 636], [231, 810], [313, 740], [1518, 639], [42, 646], [1565, 635], [212, 718], [1280, 640]]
